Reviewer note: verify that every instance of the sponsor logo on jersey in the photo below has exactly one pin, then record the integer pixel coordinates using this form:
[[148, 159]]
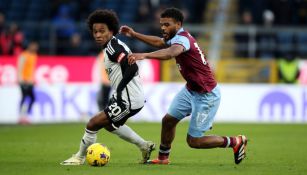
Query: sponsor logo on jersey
[[120, 57]]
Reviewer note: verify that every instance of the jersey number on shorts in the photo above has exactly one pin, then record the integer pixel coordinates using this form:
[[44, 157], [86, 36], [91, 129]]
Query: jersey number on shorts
[[114, 110]]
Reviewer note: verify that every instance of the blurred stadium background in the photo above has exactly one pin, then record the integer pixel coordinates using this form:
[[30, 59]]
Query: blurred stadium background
[[257, 49]]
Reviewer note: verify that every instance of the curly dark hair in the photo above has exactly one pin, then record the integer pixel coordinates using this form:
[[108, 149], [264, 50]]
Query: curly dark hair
[[105, 16], [172, 13]]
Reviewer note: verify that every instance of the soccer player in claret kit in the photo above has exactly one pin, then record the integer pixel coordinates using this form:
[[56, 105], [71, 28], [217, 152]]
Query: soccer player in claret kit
[[128, 99], [201, 95]]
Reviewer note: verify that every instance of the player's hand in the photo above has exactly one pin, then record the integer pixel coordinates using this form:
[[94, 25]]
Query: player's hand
[[127, 31], [132, 58]]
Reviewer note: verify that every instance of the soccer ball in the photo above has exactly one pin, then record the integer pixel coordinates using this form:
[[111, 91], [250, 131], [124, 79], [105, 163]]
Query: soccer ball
[[97, 154]]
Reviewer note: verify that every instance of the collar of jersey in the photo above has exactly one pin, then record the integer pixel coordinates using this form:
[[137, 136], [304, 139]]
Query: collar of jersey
[[180, 30], [104, 46]]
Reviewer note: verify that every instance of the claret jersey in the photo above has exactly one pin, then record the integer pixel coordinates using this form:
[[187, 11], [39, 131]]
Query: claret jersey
[[192, 63], [115, 53]]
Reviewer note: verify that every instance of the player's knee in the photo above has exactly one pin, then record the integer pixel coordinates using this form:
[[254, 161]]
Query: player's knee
[[166, 123], [97, 122], [91, 124], [169, 121], [165, 120]]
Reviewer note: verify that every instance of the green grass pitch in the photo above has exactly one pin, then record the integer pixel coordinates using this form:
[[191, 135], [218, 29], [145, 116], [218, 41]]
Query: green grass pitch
[[38, 149]]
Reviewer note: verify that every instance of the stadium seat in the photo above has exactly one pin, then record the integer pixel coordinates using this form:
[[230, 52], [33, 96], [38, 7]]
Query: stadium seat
[[285, 44], [30, 31], [112, 5], [33, 15], [266, 46], [44, 31], [4, 4], [301, 43], [97, 4], [16, 10], [128, 14]]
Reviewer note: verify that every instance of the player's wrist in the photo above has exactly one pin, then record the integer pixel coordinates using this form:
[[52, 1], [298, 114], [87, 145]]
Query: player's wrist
[[132, 34], [147, 56]]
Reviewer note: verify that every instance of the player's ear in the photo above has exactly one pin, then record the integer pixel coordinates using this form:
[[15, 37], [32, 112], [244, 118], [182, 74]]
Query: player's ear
[[178, 24]]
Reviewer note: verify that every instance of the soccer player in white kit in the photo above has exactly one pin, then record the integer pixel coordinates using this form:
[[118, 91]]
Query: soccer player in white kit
[[128, 99]]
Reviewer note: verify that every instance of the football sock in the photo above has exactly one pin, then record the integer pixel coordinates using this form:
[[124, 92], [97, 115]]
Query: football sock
[[88, 138], [229, 142], [164, 152], [127, 134]]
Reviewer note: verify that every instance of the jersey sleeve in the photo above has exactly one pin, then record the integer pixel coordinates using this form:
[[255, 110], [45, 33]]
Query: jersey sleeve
[[129, 71], [181, 40], [116, 52]]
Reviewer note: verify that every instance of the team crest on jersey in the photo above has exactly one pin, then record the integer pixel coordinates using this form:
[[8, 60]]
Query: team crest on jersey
[[109, 70]]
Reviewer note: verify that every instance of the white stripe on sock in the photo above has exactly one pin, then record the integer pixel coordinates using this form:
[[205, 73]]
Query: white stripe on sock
[[228, 142], [165, 152], [91, 132]]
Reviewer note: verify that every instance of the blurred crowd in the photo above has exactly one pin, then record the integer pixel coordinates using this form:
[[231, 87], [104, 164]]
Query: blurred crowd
[[270, 15], [283, 12], [59, 25], [62, 22]]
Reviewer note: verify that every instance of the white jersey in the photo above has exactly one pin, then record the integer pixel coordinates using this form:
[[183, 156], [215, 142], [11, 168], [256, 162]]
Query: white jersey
[[116, 62]]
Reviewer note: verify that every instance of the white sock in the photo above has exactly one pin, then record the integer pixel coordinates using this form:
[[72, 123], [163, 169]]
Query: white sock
[[126, 133], [88, 138]]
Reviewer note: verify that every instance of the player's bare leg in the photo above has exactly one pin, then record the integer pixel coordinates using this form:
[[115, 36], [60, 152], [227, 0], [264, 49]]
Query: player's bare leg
[[205, 142], [238, 144], [99, 121], [169, 123], [168, 130]]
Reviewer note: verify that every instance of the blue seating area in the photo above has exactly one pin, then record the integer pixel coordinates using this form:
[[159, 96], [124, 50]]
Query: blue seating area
[[34, 17], [282, 44], [285, 19], [39, 10], [285, 43], [25, 10], [301, 41]]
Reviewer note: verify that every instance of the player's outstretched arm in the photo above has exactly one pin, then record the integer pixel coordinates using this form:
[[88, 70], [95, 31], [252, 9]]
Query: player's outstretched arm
[[162, 54], [148, 39]]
